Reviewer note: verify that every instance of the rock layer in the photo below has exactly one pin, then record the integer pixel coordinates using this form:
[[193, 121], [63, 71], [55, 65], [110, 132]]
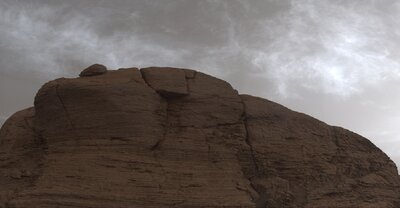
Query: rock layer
[[167, 137]]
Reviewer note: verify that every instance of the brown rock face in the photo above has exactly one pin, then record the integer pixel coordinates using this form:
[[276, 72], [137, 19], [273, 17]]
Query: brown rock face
[[168, 82], [166, 137]]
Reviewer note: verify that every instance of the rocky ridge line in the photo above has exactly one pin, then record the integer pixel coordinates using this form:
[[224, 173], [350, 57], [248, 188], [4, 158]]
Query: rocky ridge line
[[177, 137]]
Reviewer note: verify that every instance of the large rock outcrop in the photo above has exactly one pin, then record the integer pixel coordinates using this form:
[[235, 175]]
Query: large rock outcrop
[[167, 137]]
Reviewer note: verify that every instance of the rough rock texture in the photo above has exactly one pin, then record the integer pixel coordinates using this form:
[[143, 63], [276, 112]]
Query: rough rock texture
[[165, 137], [168, 82], [93, 70]]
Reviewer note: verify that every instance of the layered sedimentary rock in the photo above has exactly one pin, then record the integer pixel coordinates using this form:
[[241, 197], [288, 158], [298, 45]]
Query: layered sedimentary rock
[[167, 137]]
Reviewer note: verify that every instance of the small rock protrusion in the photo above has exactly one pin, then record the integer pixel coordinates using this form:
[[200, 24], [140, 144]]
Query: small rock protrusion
[[15, 174], [18, 174], [93, 70]]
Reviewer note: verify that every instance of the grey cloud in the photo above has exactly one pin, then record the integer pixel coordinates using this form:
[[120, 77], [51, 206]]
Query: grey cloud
[[335, 60], [335, 47]]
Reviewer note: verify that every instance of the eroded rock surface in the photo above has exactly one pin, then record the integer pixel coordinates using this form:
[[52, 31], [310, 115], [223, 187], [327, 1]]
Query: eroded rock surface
[[167, 137], [168, 82]]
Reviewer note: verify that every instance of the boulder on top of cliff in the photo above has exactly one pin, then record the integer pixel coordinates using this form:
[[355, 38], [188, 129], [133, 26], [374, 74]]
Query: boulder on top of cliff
[[167, 137], [93, 70]]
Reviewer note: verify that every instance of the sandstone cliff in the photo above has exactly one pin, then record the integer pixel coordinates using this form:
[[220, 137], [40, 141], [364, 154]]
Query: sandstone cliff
[[167, 137]]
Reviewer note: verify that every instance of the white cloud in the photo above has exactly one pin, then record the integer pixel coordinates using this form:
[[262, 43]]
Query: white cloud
[[27, 30], [330, 45]]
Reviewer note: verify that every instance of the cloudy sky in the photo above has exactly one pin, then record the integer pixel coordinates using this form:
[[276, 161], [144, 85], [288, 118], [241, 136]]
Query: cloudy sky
[[336, 60]]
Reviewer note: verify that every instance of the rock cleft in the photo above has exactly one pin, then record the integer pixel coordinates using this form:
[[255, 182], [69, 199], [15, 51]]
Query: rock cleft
[[168, 82]]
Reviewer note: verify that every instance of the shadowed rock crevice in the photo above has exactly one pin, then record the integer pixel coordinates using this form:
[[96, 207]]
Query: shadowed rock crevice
[[261, 199], [168, 82], [166, 128], [163, 137], [189, 75], [63, 106]]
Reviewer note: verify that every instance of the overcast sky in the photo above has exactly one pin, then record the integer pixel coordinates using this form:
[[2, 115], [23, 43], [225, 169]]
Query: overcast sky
[[338, 61]]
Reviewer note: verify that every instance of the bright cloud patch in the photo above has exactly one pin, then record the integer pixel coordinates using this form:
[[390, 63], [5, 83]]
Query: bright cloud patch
[[334, 46]]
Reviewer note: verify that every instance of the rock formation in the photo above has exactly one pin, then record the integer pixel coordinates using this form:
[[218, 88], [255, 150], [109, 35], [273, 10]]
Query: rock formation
[[167, 137], [93, 70]]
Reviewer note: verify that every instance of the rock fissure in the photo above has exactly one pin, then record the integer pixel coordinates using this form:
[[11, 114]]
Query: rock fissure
[[29, 126], [145, 80], [252, 153], [188, 78], [261, 200], [168, 82], [166, 122], [187, 85], [338, 151], [64, 107], [38, 137], [165, 130]]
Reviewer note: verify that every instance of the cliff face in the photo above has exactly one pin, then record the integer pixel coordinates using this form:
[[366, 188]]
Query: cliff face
[[167, 137]]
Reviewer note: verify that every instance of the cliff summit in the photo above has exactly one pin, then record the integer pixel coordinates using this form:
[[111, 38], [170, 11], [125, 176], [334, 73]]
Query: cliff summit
[[169, 137]]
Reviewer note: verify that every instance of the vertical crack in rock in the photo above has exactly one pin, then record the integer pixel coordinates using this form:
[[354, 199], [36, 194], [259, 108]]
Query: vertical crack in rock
[[166, 122], [188, 77], [163, 171], [337, 153], [64, 107], [336, 157], [165, 131], [261, 200], [187, 85], [38, 137], [248, 142], [145, 81]]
